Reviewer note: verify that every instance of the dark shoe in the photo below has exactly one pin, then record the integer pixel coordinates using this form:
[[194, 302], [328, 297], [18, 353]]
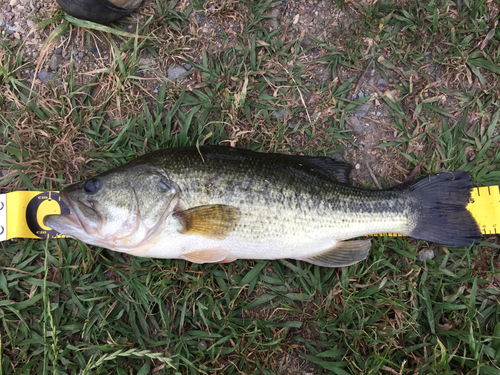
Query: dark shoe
[[100, 11]]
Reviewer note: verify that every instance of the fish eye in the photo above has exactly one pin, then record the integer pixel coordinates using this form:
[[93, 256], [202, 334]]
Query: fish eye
[[164, 186], [91, 186]]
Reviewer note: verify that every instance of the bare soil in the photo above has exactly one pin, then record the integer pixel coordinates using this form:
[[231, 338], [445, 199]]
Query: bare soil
[[216, 29]]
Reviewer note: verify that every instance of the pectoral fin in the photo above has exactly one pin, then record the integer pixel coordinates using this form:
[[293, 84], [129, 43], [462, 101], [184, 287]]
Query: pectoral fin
[[207, 256], [213, 221], [344, 254]]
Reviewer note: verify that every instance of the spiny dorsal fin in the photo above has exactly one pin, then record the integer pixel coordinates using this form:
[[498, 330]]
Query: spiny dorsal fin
[[343, 254], [336, 169], [213, 221]]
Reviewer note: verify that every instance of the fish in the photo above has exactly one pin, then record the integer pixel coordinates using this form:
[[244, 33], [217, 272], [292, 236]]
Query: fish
[[216, 204]]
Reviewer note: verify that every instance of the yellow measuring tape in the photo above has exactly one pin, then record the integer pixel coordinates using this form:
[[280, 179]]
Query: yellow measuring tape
[[485, 207], [22, 212]]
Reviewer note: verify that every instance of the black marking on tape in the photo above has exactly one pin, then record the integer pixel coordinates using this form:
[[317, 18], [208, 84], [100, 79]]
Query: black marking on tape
[[32, 210]]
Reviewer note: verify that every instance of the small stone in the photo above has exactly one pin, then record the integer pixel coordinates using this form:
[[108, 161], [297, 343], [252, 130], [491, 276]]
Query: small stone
[[438, 72], [358, 166], [81, 54], [273, 21], [187, 66], [2, 23], [280, 114], [175, 71], [58, 51], [355, 124], [361, 95], [337, 156], [35, 54], [426, 254], [306, 42], [202, 345], [211, 9], [55, 61], [381, 81], [10, 31], [362, 110], [45, 76]]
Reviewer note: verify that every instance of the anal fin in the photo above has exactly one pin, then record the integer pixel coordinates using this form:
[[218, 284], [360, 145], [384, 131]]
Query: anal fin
[[211, 221], [344, 254]]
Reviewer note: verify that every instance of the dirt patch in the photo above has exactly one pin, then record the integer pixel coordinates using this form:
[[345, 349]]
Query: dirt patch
[[214, 29], [486, 261]]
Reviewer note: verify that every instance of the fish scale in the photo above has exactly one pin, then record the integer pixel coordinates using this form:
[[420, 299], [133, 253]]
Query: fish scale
[[268, 192]]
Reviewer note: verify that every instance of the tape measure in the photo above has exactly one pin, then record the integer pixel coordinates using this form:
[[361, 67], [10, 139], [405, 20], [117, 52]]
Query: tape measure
[[485, 207], [22, 212]]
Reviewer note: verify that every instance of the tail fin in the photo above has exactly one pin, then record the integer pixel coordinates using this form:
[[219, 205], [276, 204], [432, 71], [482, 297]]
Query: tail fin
[[444, 218]]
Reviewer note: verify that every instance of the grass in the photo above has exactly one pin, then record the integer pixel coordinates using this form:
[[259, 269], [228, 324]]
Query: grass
[[69, 308]]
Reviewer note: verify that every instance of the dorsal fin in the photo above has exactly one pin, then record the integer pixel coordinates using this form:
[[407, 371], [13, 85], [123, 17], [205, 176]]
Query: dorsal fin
[[333, 168]]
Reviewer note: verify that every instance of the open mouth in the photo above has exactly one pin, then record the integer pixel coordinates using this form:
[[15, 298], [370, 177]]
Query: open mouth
[[63, 223]]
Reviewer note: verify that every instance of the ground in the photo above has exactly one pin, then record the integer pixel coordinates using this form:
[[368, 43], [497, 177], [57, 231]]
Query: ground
[[397, 89]]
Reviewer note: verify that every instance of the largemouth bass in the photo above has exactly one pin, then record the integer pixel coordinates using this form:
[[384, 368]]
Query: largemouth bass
[[218, 204]]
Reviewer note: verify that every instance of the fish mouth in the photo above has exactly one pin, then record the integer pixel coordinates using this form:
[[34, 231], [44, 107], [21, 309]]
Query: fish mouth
[[64, 224]]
